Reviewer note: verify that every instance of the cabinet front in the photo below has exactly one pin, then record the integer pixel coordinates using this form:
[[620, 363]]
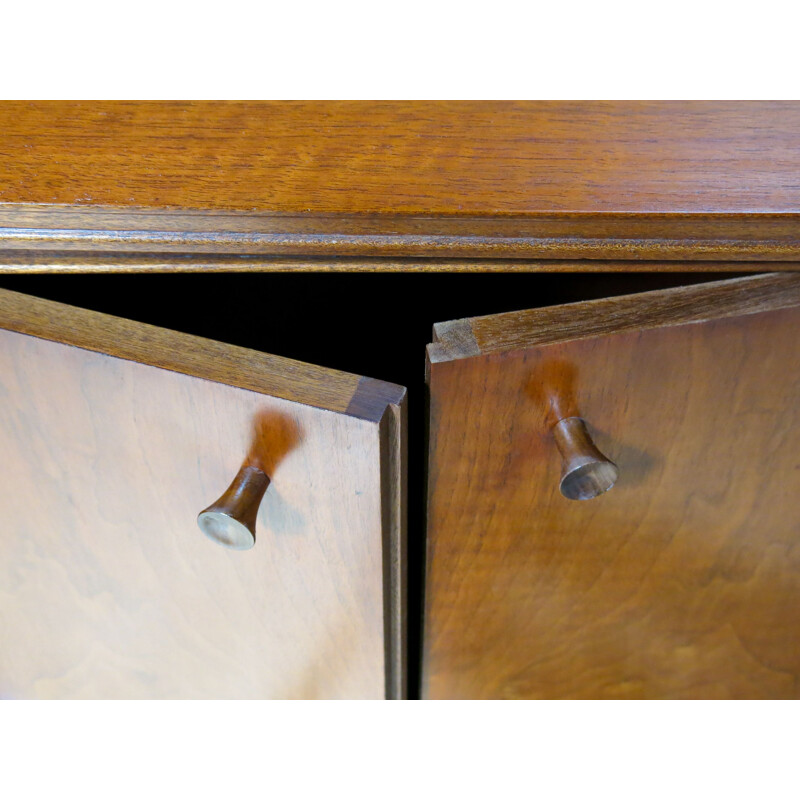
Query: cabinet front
[[613, 498], [115, 436]]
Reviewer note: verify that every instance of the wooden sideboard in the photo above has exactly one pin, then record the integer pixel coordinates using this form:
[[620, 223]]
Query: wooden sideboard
[[616, 313]]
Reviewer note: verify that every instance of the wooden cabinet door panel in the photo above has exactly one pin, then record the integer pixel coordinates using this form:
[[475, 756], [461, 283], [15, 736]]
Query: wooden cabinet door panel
[[683, 581], [114, 435]]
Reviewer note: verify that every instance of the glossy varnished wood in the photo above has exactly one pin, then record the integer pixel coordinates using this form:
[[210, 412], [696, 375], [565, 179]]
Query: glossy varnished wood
[[681, 305], [65, 230], [43, 261], [115, 435], [684, 580], [615, 180], [179, 352], [411, 158]]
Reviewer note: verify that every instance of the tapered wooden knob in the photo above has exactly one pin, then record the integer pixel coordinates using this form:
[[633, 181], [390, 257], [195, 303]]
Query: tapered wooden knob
[[231, 521], [586, 472]]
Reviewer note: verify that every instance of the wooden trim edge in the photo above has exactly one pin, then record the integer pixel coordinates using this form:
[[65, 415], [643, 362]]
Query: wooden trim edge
[[206, 359], [394, 511], [586, 236], [46, 262], [646, 310]]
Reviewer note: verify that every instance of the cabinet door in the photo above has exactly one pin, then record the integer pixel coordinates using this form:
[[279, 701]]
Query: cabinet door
[[683, 580], [114, 435]]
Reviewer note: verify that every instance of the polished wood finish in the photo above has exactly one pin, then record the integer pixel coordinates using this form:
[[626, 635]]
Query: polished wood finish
[[678, 306], [589, 237], [114, 434], [43, 261], [258, 372], [684, 580], [614, 181], [411, 158]]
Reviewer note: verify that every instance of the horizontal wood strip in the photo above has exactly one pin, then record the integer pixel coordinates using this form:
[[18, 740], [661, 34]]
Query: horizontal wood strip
[[406, 158], [477, 180], [171, 222], [41, 262], [191, 355], [577, 237], [332, 246], [573, 321]]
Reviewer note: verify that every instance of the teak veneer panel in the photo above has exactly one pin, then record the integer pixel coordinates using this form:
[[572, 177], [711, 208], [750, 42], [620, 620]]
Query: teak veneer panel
[[622, 181], [684, 580], [114, 436]]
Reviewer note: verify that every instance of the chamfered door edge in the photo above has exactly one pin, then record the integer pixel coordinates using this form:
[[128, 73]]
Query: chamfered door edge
[[752, 294]]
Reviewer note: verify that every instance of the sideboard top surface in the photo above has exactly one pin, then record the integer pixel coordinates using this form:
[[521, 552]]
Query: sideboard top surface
[[410, 158], [619, 182]]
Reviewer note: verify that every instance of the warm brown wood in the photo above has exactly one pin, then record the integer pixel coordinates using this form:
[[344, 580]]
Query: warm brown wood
[[701, 237], [681, 582], [114, 436], [411, 158], [681, 305], [537, 180], [203, 358], [394, 505], [42, 261]]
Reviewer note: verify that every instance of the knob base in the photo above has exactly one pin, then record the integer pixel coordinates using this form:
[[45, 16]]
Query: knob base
[[225, 530], [586, 472], [231, 521]]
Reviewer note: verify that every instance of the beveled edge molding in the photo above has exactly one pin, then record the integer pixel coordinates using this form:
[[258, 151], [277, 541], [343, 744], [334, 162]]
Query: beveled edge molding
[[548, 325], [394, 516], [263, 373], [565, 236], [49, 261]]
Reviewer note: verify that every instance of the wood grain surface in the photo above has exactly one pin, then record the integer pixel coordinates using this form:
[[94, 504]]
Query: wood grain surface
[[264, 373], [114, 436], [66, 230], [45, 261], [410, 158], [537, 180], [683, 581]]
